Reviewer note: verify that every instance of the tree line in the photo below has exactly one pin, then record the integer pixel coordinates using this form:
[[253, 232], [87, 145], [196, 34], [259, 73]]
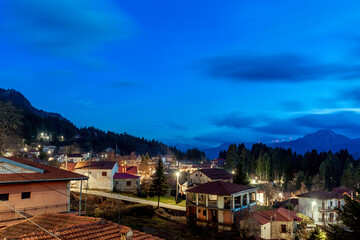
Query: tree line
[[313, 170]]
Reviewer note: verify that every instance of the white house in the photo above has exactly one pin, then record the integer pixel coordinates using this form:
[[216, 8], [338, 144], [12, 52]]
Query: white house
[[100, 174], [320, 205]]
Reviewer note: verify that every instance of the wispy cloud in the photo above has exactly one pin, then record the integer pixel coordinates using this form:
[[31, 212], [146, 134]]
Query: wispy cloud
[[277, 68], [64, 26]]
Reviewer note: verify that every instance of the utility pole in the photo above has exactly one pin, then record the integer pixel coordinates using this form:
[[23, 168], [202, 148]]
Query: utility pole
[[177, 186]]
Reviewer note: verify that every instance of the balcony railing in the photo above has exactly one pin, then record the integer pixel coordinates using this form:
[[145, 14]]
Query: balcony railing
[[326, 209]]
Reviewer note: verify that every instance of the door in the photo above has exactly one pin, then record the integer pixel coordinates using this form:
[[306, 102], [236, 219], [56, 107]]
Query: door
[[214, 215]]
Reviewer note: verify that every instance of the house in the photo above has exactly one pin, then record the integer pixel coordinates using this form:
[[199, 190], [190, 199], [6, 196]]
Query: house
[[277, 223], [100, 174], [208, 175], [219, 204], [67, 226], [128, 169], [320, 205], [33, 188], [74, 157], [124, 182]]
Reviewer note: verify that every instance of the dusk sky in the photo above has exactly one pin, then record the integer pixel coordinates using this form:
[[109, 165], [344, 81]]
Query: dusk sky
[[191, 72]]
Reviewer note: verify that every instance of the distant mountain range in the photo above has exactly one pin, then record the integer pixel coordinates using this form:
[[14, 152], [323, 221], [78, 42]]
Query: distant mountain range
[[322, 140], [19, 100]]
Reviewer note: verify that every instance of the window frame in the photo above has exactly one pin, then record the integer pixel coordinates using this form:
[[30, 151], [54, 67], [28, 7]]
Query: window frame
[[23, 196], [6, 195]]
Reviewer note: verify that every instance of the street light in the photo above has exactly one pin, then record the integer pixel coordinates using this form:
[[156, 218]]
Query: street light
[[177, 185], [313, 203], [281, 196]]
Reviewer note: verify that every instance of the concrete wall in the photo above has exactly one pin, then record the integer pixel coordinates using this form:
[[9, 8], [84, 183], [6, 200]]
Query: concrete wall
[[44, 197], [120, 185], [97, 180], [313, 211], [265, 231], [198, 177]]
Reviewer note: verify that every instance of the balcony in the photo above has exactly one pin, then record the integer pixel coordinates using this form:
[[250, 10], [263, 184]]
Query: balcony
[[326, 209], [328, 220]]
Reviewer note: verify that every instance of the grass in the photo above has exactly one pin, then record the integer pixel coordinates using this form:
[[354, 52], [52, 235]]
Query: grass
[[163, 199]]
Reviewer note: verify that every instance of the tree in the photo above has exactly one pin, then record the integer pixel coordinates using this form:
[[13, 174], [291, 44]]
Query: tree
[[349, 215], [317, 234], [231, 157], [240, 175], [10, 120], [159, 186], [144, 165]]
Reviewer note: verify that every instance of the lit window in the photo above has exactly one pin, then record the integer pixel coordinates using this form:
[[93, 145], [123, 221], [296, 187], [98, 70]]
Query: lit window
[[25, 195]]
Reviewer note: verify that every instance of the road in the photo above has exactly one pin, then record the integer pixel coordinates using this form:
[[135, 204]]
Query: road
[[131, 199]]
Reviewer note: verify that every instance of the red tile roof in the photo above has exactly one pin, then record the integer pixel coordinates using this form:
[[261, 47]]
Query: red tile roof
[[216, 174], [67, 226], [131, 170], [279, 214], [219, 188], [95, 165], [70, 166], [125, 176], [49, 174]]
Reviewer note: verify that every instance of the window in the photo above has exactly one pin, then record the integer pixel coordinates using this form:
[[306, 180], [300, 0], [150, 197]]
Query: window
[[199, 211], [104, 174], [4, 197], [204, 212], [128, 183], [283, 228], [25, 195]]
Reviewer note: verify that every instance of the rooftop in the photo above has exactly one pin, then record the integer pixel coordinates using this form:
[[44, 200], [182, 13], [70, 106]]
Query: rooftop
[[322, 195], [279, 214], [219, 188], [67, 226], [125, 176], [95, 165], [30, 171], [215, 174]]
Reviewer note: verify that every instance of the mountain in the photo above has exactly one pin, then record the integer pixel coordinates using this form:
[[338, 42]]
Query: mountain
[[17, 99], [322, 140], [33, 122]]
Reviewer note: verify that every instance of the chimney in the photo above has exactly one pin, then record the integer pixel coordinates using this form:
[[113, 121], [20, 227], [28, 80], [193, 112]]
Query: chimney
[[275, 217]]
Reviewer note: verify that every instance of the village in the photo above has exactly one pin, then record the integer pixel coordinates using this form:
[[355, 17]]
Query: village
[[203, 193]]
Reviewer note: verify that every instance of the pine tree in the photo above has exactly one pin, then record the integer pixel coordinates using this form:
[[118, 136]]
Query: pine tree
[[349, 215], [159, 186], [231, 157], [240, 175]]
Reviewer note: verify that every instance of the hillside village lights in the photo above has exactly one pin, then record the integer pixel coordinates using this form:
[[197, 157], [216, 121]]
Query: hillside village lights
[[177, 186]]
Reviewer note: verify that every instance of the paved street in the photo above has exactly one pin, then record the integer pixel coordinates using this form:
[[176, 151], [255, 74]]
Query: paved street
[[130, 199]]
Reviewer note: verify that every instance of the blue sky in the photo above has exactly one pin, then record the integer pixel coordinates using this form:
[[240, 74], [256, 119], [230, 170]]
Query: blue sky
[[195, 72]]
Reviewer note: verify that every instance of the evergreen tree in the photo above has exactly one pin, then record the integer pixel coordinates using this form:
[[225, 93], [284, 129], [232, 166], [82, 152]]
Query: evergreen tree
[[159, 186], [349, 215], [240, 175], [231, 157]]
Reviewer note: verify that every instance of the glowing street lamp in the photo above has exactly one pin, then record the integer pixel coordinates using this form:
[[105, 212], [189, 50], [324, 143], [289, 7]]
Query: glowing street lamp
[[313, 204], [177, 186], [281, 196]]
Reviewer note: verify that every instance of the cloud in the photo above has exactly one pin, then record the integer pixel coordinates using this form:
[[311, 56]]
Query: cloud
[[276, 68], [63, 25], [346, 122], [87, 103], [234, 121], [352, 96]]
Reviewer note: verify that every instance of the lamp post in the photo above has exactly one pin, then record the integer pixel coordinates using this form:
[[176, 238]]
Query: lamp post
[[177, 186], [313, 203]]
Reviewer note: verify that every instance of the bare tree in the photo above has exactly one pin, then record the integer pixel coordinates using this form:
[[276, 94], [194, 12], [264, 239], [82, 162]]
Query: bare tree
[[10, 122]]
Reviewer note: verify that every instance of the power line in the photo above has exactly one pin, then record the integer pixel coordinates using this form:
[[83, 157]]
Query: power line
[[31, 220], [19, 174]]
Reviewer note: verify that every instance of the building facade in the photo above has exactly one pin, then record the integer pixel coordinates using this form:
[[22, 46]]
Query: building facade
[[100, 174], [30, 188], [219, 204]]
